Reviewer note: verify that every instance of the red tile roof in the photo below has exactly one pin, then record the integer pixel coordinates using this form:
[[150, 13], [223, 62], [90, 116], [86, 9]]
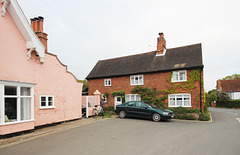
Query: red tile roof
[[230, 85]]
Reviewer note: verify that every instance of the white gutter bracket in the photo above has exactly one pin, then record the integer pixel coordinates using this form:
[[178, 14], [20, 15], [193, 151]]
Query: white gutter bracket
[[5, 3], [29, 53]]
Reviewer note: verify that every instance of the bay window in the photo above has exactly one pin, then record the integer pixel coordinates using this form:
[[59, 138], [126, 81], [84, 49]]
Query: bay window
[[16, 101]]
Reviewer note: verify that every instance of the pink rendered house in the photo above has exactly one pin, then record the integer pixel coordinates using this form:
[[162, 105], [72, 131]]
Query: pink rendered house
[[35, 87]]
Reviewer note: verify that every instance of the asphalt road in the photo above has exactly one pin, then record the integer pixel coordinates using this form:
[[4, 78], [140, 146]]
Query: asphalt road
[[142, 137]]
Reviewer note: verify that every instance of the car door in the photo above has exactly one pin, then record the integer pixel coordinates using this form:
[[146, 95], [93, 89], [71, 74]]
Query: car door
[[130, 108], [141, 110]]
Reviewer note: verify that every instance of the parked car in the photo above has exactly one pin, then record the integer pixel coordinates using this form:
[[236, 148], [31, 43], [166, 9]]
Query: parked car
[[142, 110]]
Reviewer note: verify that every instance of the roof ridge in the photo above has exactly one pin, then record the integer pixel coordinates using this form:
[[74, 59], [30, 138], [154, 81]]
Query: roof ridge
[[184, 46]]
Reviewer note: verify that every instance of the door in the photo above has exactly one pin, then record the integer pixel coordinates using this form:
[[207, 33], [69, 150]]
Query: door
[[118, 100]]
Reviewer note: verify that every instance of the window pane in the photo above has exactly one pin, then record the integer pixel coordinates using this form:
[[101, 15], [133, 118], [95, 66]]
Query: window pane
[[25, 91], [172, 102], [25, 108], [50, 101], [109, 82], [132, 80], [186, 100], [174, 77], [132, 98], [138, 98], [127, 98], [10, 109], [10, 90], [179, 100], [182, 76], [140, 80], [136, 80], [43, 101]]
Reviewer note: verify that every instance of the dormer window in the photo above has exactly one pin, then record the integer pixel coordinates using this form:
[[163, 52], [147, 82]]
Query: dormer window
[[179, 76]]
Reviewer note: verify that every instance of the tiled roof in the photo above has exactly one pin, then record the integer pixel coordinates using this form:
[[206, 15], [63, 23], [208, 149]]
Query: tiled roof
[[230, 85], [175, 58]]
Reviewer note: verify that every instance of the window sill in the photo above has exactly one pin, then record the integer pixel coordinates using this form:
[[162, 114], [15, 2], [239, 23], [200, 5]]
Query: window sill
[[180, 106], [41, 108], [16, 122], [179, 81], [136, 84]]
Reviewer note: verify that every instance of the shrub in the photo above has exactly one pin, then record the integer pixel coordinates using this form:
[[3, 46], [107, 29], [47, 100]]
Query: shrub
[[229, 104], [180, 110], [108, 108], [204, 117]]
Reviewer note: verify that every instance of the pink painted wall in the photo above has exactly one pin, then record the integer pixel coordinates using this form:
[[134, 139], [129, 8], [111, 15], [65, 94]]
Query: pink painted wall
[[51, 77]]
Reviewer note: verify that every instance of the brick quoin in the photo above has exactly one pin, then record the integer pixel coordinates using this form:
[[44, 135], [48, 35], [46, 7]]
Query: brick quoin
[[151, 80]]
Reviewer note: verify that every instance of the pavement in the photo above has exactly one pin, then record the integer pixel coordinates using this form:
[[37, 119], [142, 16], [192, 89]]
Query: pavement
[[37, 133]]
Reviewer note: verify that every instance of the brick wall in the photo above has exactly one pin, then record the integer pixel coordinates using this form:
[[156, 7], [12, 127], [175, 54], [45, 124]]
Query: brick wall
[[153, 80]]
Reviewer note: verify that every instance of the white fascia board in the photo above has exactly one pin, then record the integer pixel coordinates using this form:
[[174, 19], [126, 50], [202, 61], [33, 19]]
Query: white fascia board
[[25, 28]]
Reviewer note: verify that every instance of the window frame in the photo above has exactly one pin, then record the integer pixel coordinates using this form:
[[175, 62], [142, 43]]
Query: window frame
[[104, 97], [107, 82], [47, 102], [130, 97], [135, 82], [19, 113], [178, 76], [170, 96]]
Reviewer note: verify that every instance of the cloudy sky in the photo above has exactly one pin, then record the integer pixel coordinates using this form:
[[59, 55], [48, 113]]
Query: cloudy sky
[[81, 32]]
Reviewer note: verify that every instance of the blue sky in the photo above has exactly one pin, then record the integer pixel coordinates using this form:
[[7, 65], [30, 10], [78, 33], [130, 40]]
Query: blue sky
[[81, 32]]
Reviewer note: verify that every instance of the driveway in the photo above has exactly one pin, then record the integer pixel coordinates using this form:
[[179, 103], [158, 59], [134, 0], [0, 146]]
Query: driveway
[[136, 136]]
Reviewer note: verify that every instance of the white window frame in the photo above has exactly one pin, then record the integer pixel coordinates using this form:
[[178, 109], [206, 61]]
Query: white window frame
[[134, 82], [135, 97], [107, 82], [177, 73], [47, 102], [175, 96], [104, 97], [18, 97]]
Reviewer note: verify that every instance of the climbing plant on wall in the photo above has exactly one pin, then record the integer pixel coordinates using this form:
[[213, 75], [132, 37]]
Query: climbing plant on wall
[[119, 93], [152, 96]]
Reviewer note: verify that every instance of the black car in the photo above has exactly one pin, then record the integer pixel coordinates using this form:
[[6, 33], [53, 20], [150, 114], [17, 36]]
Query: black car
[[142, 110]]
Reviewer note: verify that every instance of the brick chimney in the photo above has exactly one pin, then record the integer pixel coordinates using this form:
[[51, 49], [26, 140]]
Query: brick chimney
[[37, 26], [161, 43]]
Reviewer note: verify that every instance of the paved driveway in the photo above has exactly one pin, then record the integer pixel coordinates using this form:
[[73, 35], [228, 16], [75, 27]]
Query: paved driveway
[[137, 137]]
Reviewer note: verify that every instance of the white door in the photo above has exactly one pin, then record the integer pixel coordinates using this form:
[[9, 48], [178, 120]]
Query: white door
[[118, 100]]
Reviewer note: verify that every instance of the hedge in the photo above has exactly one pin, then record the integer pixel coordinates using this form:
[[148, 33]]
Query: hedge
[[229, 104]]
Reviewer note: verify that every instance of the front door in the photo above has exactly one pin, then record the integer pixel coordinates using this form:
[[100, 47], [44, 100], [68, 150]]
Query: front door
[[118, 100]]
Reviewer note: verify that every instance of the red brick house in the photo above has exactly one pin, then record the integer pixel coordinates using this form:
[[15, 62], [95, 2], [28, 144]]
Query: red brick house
[[231, 87], [177, 73]]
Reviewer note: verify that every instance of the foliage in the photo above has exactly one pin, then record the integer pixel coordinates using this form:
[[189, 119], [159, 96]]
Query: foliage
[[108, 108], [205, 116], [211, 96], [229, 104], [106, 94], [85, 85], [231, 77], [222, 97], [119, 93], [150, 96], [185, 116], [183, 110]]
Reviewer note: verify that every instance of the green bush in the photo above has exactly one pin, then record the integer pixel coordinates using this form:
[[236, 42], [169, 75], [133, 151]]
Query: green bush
[[229, 104], [204, 117], [108, 108], [185, 116], [180, 110]]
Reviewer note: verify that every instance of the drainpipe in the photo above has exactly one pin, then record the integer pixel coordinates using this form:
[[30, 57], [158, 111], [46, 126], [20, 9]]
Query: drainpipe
[[201, 91]]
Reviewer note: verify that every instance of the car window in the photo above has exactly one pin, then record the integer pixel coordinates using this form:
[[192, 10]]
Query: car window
[[141, 105], [131, 104]]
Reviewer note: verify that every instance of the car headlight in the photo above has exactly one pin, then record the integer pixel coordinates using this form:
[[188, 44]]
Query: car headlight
[[165, 113]]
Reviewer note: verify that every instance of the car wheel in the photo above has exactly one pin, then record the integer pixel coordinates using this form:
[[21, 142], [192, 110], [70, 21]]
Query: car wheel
[[156, 117], [122, 114]]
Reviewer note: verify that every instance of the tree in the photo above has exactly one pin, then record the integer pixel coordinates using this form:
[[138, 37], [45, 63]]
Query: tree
[[85, 85], [231, 77]]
